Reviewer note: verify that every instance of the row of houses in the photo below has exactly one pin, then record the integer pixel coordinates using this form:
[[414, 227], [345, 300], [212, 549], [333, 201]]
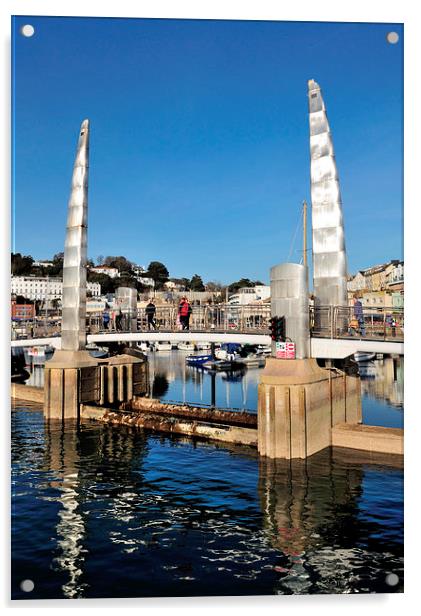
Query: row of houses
[[380, 286], [45, 288]]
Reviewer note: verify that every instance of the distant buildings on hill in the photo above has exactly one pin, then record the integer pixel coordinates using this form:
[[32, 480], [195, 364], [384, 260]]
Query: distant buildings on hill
[[379, 286], [45, 288]]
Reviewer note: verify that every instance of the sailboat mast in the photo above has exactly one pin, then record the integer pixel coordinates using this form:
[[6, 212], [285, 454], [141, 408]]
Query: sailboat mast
[[305, 233], [305, 263]]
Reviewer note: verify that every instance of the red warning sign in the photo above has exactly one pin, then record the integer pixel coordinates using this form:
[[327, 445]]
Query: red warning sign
[[285, 350]]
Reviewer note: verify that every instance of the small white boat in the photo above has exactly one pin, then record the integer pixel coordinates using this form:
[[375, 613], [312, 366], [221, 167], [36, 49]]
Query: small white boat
[[96, 351], [162, 345], [359, 356], [203, 346], [264, 349], [143, 346], [186, 346], [252, 361]]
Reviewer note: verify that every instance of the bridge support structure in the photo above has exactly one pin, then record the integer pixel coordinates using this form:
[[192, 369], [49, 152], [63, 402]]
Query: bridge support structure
[[73, 376], [300, 402]]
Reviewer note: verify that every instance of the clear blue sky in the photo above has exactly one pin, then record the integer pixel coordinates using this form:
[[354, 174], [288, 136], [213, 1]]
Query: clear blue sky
[[199, 138]]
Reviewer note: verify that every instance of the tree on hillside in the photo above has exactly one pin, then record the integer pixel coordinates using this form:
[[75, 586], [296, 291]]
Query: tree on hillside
[[100, 259], [184, 283], [107, 283], [21, 264], [239, 284], [57, 268], [21, 299], [243, 282], [126, 280], [158, 272], [196, 283], [121, 263], [214, 287]]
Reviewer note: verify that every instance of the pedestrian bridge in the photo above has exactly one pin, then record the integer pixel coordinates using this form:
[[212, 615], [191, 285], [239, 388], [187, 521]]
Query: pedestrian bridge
[[327, 348]]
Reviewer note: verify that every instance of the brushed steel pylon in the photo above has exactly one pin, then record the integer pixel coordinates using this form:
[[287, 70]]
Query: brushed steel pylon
[[329, 253], [73, 330]]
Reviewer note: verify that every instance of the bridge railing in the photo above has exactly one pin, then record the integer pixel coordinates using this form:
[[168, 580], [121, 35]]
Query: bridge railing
[[343, 322], [325, 321]]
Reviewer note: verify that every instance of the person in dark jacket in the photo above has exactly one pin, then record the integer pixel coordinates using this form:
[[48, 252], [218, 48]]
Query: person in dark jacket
[[150, 311], [105, 319], [358, 314]]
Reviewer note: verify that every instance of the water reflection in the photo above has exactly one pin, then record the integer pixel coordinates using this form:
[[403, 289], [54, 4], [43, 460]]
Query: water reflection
[[104, 511], [312, 512], [172, 380], [233, 389], [384, 379]]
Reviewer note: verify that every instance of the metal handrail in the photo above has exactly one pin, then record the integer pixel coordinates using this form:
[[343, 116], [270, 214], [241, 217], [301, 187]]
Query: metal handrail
[[325, 321]]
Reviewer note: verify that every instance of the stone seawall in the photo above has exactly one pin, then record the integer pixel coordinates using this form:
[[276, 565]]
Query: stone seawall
[[173, 424]]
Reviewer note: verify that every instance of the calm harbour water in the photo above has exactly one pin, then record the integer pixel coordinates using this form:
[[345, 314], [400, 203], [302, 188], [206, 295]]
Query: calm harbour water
[[102, 511]]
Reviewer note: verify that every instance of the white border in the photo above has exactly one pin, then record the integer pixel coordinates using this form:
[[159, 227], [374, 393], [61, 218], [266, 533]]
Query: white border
[[320, 10]]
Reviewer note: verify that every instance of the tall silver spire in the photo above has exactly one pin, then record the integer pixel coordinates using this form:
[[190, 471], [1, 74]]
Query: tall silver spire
[[329, 256], [73, 330]]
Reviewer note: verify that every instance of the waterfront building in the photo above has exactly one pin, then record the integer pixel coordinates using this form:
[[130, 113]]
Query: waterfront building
[[45, 288], [356, 283], [22, 312], [388, 277], [395, 277]]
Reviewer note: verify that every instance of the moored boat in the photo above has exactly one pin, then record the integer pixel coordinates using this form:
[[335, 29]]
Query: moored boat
[[203, 346], [162, 345], [360, 356], [185, 346], [252, 361], [197, 360]]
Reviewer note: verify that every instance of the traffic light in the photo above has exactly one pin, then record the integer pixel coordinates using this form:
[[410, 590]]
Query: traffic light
[[272, 327], [280, 329], [277, 328]]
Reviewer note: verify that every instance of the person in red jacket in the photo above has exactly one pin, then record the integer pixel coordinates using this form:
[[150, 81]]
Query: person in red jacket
[[184, 310]]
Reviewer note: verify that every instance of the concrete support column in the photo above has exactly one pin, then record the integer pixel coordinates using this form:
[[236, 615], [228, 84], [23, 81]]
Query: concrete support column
[[289, 298], [298, 404]]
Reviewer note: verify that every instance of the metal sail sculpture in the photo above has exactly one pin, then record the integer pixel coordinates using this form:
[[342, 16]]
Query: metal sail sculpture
[[73, 330], [329, 255]]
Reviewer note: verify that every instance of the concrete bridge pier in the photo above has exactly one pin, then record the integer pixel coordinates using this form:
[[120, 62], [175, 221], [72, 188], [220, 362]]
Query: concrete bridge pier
[[299, 401]]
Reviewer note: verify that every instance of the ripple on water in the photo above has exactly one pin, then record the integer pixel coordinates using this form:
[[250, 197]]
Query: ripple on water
[[104, 511]]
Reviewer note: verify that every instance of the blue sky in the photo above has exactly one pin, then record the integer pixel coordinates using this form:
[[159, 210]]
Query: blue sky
[[199, 138]]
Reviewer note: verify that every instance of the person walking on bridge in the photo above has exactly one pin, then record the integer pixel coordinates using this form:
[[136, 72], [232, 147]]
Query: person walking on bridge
[[150, 311], [184, 311], [358, 314]]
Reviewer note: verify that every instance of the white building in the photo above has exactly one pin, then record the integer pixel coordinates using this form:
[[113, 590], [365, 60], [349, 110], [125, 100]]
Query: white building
[[43, 264], [357, 283], [396, 275], [112, 272], [138, 269], [148, 282], [250, 295], [44, 288]]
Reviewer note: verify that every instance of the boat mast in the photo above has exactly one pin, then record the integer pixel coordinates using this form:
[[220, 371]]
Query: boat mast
[[305, 238]]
